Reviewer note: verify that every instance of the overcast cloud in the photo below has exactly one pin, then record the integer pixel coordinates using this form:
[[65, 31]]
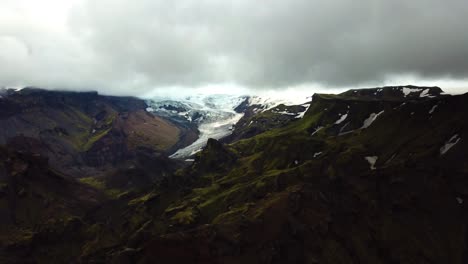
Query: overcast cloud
[[132, 46]]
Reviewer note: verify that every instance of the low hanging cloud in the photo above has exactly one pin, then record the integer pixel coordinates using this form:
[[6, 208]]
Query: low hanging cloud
[[130, 46]]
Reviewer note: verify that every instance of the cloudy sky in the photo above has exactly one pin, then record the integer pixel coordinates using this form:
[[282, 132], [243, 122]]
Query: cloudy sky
[[136, 46]]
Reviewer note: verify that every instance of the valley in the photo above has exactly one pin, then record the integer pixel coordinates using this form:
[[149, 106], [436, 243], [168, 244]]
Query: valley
[[366, 176]]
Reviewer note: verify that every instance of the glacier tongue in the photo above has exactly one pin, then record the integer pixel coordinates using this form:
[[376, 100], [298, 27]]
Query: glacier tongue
[[217, 130], [214, 116]]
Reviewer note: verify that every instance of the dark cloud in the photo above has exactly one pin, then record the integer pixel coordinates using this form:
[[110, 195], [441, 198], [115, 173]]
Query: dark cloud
[[129, 46]]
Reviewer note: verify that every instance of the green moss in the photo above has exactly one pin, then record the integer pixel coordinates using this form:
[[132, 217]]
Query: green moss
[[100, 185], [174, 208], [143, 199], [82, 138], [233, 215], [113, 193], [81, 116], [79, 138], [186, 217], [20, 236], [101, 237], [91, 181], [109, 120], [262, 207], [93, 138]]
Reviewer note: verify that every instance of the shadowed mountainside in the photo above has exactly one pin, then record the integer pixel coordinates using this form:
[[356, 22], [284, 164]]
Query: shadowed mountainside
[[85, 133]]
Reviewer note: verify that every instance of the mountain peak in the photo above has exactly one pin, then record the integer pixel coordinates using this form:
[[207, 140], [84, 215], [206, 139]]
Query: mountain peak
[[395, 92]]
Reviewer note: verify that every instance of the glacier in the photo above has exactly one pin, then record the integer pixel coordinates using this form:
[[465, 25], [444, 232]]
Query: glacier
[[214, 115]]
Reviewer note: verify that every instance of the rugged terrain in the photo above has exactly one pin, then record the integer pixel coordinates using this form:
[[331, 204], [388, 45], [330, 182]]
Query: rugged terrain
[[84, 134], [367, 176]]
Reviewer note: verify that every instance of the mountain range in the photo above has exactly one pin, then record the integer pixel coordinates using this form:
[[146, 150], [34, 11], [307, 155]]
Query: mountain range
[[374, 175]]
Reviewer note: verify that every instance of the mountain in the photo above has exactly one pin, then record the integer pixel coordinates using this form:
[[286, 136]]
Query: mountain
[[86, 133], [39, 205], [259, 118], [367, 176]]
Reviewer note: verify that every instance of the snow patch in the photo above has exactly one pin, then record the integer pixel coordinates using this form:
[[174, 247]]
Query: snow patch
[[270, 101], [342, 118], [372, 160], [316, 130], [400, 106], [301, 114], [343, 127], [450, 144], [390, 159], [195, 152], [149, 109], [317, 154], [371, 119], [406, 90], [424, 93], [285, 113], [433, 109], [346, 133]]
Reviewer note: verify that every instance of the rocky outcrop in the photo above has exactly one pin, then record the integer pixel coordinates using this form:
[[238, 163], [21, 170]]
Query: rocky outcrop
[[33, 199]]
